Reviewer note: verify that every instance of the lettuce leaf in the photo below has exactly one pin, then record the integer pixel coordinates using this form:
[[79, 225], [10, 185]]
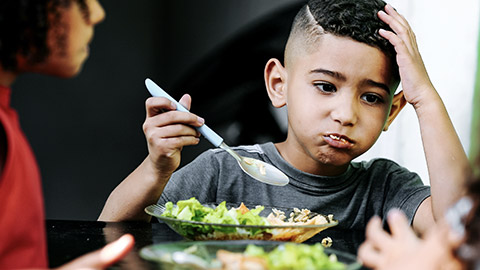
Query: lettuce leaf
[[193, 210], [296, 256]]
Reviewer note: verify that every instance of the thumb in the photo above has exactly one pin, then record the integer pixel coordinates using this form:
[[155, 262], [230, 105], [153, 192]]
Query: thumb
[[186, 101], [103, 258]]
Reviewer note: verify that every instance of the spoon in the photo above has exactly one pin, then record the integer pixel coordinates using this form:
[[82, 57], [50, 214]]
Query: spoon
[[257, 169]]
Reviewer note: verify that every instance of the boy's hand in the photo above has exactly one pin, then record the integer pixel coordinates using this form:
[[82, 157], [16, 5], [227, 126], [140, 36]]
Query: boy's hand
[[167, 131], [415, 81]]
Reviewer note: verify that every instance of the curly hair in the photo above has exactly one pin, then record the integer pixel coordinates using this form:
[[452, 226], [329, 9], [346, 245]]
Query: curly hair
[[355, 19], [24, 25]]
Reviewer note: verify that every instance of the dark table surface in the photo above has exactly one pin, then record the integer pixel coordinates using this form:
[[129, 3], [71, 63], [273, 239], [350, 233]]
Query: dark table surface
[[68, 239]]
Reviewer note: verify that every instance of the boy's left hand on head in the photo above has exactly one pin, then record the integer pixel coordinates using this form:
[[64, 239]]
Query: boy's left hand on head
[[413, 74]]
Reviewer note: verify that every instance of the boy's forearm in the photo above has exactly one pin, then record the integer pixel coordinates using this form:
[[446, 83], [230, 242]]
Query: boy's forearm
[[128, 200], [448, 165]]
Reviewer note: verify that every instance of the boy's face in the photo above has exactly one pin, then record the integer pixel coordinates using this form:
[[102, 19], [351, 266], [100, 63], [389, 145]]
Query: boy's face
[[338, 98], [66, 58]]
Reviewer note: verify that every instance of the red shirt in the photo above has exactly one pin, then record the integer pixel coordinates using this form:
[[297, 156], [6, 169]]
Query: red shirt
[[23, 241]]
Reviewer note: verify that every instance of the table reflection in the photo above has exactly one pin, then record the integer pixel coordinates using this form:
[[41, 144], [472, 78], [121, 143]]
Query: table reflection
[[69, 239]]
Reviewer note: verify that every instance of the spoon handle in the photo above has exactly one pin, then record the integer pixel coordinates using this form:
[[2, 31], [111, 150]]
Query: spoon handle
[[207, 132]]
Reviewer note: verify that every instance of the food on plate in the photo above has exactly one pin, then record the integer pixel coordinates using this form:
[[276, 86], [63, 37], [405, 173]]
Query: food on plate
[[221, 223], [246, 255], [297, 217], [327, 242], [286, 256]]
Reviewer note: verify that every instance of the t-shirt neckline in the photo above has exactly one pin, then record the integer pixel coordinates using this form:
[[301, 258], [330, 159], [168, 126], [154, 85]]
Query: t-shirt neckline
[[304, 179]]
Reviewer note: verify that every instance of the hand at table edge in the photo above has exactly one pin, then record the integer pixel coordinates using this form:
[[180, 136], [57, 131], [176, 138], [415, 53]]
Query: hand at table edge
[[104, 257]]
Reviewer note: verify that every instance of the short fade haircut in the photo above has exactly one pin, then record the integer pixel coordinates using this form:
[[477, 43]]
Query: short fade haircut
[[24, 25], [355, 19]]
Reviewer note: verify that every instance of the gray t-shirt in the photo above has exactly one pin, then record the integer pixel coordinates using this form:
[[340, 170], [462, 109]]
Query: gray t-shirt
[[364, 190]]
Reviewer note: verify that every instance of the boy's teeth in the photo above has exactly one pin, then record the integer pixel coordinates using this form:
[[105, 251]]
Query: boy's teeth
[[337, 138]]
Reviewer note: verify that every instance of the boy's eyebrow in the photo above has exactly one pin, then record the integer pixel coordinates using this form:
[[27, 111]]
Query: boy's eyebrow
[[379, 85], [341, 77], [330, 73]]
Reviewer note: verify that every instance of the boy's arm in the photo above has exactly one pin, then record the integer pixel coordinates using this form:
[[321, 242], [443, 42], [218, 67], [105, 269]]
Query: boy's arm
[[447, 163], [166, 131]]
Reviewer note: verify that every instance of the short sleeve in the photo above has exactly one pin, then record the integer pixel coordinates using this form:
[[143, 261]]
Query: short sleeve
[[404, 190]]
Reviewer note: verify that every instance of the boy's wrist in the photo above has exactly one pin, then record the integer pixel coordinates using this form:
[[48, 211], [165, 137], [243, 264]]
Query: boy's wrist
[[427, 100], [154, 174]]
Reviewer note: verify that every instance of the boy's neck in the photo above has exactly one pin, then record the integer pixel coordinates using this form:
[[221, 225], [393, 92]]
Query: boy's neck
[[304, 164]]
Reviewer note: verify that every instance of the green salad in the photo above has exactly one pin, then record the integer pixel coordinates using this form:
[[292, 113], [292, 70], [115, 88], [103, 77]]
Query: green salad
[[296, 256], [193, 210]]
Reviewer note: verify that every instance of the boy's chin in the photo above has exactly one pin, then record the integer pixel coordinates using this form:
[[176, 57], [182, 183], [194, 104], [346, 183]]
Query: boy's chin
[[336, 158], [335, 163]]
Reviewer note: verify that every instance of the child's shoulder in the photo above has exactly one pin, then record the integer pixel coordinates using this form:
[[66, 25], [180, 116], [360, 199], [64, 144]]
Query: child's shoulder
[[384, 164], [383, 170]]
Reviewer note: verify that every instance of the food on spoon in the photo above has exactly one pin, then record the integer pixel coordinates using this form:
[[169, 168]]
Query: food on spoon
[[286, 256], [257, 227], [260, 166]]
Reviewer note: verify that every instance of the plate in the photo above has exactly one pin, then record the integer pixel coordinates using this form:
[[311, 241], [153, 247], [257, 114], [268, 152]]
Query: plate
[[200, 231], [162, 254]]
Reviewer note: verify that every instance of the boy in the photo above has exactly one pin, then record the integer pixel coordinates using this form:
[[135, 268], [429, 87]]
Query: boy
[[46, 37], [338, 82]]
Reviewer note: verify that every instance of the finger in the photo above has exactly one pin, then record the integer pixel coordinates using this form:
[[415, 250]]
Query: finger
[[390, 10], [368, 255], [397, 27], [399, 225], [176, 130], [157, 105], [376, 235], [400, 18], [186, 101], [105, 257], [156, 137], [116, 250], [400, 26], [396, 41], [173, 144], [174, 117]]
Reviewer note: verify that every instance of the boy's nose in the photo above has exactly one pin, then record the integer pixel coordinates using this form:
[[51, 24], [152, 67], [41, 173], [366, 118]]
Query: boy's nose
[[97, 13], [345, 112]]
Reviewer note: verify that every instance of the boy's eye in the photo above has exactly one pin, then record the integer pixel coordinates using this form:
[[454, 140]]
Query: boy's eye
[[372, 99], [326, 87]]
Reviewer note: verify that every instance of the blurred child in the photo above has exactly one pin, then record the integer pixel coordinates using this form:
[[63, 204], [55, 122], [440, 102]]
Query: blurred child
[[452, 244], [48, 37], [343, 62]]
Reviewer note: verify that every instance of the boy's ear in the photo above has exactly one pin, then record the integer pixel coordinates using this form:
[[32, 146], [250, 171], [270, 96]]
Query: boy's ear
[[398, 103], [275, 81]]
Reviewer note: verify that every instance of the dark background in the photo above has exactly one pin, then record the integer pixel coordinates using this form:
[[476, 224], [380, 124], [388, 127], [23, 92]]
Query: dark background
[[87, 131]]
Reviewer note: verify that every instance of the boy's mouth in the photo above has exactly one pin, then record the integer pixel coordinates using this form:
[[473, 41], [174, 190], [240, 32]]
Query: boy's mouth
[[338, 141]]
